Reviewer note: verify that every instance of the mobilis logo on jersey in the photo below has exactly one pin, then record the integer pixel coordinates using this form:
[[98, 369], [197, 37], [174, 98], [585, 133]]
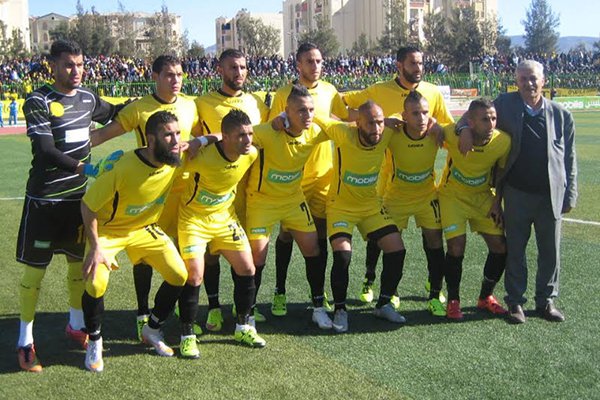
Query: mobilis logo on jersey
[[360, 180], [282, 176], [413, 178], [467, 180], [210, 199], [135, 210]]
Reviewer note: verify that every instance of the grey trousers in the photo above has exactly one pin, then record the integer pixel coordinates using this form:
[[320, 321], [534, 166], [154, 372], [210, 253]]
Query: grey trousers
[[521, 211]]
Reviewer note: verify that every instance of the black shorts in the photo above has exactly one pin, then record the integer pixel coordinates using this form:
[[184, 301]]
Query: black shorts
[[48, 228]]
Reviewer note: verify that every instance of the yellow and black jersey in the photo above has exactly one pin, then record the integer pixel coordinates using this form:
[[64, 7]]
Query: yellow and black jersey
[[475, 171], [355, 169], [390, 95], [213, 106], [134, 116], [213, 180], [129, 196], [277, 174], [413, 167]]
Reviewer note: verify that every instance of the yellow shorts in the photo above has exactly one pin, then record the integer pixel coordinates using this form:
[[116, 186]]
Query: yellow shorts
[[458, 208], [343, 222], [295, 216], [168, 219], [220, 231], [426, 211], [240, 200], [149, 245], [315, 191]]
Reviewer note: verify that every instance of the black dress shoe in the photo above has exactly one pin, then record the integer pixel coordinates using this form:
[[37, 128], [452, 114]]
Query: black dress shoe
[[516, 316], [551, 313]]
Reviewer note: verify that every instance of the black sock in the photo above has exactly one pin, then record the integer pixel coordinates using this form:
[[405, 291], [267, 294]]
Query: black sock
[[257, 282], [371, 258], [283, 255], [212, 274], [340, 278], [93, 309], [142, 280], [435, 266], [188, 308], [315, 274], [244, 293], [323, 250], [492, 272], [164, 302], [393, 266], [453, 273]]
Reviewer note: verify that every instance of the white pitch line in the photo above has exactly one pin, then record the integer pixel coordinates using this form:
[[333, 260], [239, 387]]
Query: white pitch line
[[11, 198], [580, 221]]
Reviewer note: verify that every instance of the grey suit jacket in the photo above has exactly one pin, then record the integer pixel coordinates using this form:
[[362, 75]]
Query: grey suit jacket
[[562, 162]]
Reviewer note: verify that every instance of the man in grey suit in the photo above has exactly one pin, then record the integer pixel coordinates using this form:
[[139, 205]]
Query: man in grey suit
[[540, 185]]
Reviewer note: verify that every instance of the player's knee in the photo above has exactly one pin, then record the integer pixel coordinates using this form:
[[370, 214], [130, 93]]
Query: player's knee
[[95, 288], [285, 236]]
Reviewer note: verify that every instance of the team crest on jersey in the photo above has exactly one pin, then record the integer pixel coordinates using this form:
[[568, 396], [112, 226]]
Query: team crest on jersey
[[360, 179], [283, 177], [413, 178], [56, 109], [468, 180]]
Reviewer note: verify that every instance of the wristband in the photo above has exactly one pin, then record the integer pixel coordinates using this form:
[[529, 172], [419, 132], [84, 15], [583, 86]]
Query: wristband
[[203, 140]]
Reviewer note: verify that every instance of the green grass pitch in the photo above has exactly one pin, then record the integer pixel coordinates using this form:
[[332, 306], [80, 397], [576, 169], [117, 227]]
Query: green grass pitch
[[428, 358]]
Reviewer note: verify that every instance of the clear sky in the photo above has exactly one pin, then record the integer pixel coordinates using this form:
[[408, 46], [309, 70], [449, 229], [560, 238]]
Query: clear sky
[[578, 17]]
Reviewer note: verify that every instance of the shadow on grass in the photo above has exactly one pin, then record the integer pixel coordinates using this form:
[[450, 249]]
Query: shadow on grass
[[119, 330]]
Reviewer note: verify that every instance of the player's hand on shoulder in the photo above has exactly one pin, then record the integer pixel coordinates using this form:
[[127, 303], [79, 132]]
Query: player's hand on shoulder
[[394, 123], [105, 164]]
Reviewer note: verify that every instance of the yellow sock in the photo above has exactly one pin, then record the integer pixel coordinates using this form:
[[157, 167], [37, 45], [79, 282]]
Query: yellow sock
[[75, 283], [29, 291]]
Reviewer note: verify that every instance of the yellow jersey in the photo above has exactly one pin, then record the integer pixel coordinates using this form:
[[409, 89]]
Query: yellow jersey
[[355, 169], [277, 175], [130, 196], [213, 181], [134, 116], [475, 171], [213, 106], [413, 172]]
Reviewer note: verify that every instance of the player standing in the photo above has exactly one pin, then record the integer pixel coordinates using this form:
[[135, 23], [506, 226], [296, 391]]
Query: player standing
[[58, 118], [318, 168], [466, 194]]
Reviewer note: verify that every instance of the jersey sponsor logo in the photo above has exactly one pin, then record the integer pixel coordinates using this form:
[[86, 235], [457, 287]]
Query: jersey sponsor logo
[[451, 228], [283, 177], [258, 230], [340, 224], [468, 180], [38, 244], [414, 178], [210, 199], [77, 135], [135, 210], [360, 180]]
